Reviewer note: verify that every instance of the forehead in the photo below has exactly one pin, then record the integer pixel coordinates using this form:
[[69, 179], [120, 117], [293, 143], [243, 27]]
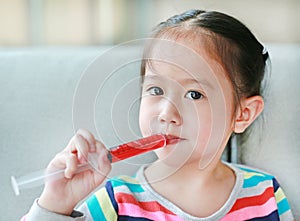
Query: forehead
[[159, 70], [179, 60], [190, 52]]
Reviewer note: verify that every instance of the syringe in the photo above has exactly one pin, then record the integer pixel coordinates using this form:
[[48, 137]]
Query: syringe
[[115, 154]]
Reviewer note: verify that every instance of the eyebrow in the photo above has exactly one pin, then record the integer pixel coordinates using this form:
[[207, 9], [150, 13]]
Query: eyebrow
[[182, 81]]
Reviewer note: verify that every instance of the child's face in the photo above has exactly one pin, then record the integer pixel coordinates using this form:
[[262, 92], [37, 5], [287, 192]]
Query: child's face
[[190, 97]]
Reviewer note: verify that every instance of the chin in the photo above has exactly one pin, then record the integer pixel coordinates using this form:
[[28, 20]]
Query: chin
[[174, 158]]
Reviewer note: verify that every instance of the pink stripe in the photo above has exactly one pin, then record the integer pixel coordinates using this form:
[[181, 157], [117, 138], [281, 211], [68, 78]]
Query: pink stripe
[[129, 209], [24, 218], [253, 211]]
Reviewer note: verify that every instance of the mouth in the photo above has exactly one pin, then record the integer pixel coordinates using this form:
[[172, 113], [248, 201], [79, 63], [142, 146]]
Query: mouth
[[171, 139]]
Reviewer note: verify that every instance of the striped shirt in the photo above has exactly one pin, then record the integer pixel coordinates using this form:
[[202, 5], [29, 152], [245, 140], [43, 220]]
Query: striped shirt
[[255, 196]]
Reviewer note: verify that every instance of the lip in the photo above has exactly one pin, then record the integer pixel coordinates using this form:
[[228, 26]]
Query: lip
[[172, 139]]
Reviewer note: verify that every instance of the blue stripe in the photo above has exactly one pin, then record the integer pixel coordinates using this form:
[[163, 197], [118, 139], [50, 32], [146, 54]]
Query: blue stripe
[[129, 218], [133, 187], [95, 209], [271, 217], [283, 206], [110, 192], [255, 180], [275, 184]]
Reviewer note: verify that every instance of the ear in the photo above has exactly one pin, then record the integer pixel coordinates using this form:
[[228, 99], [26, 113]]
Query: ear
[[248, 111]]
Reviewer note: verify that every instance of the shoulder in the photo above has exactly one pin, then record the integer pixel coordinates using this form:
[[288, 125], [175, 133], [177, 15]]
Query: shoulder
[[262, 190], [258, 180], [253, 177], [255, 183]]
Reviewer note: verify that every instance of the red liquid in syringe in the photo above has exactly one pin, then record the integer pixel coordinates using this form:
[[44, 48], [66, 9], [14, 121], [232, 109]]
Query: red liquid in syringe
[[137, 147]]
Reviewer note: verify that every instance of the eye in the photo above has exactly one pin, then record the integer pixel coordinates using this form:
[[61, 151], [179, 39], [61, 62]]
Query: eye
[[194, 95], [156, 91]]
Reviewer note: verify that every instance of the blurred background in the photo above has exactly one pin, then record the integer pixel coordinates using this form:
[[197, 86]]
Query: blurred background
[[98, 22]]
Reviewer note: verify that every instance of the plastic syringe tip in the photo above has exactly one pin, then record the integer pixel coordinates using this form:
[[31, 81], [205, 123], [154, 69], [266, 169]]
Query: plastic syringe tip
[[15, 185]]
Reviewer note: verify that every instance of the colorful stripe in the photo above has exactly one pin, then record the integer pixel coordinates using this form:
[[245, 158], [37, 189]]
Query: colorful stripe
[[254, 200], [283, 206], [130, 218], [124, 198], [127, 199], [95, 209], [130, 209], [133, 187], [253, 179], [272, 217], [251, 212], [110, 192], [106, 205]]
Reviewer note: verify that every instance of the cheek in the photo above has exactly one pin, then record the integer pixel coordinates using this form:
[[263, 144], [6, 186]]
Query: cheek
[[199, 121], [198, 128], [145, 116], [203, 133]]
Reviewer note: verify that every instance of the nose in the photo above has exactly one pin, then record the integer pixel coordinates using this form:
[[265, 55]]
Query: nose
[[169, 114]]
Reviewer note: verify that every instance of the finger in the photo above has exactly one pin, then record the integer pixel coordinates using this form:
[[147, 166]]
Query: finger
[[71, 148], [89, 137], [81, 148], [71, 165], [104, 165], [102, 153], [58, 162], [100, 148]]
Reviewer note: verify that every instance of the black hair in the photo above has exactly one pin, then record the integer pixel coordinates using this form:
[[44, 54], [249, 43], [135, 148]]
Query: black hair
[[242, 56]]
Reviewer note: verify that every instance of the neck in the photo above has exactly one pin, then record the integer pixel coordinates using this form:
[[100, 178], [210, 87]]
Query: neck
[[159, 172], [183, 187]]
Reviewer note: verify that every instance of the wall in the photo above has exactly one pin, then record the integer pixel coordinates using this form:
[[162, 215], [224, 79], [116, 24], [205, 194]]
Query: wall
[[94, 22]]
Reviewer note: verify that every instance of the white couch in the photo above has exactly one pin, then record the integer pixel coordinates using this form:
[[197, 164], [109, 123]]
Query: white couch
[[38, 87]]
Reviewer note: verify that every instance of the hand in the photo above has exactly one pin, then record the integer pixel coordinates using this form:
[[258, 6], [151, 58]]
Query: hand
[[61, 196]]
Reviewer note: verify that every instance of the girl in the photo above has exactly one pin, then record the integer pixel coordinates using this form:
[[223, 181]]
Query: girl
[[202, 75]]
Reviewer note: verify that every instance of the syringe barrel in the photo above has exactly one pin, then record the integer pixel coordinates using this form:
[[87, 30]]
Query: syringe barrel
[[137, 147]]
